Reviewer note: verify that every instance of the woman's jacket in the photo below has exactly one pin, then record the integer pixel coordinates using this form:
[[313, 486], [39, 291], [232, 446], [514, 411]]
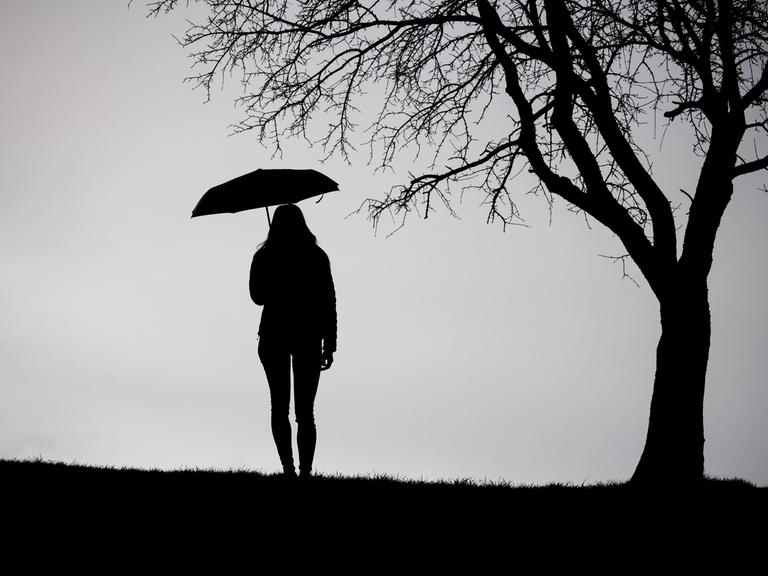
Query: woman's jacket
[[296, 288]]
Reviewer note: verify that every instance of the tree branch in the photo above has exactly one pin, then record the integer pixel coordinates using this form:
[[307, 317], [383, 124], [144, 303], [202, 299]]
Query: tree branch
[[749, 167]]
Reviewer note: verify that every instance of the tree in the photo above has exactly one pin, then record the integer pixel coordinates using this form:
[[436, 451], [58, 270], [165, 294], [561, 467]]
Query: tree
[[578, 77]]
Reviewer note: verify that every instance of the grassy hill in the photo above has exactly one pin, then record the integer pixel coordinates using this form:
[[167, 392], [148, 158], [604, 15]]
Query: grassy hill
[[376, 514]]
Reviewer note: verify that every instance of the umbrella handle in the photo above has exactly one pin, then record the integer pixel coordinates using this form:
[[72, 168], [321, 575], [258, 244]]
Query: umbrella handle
[[268, 220]]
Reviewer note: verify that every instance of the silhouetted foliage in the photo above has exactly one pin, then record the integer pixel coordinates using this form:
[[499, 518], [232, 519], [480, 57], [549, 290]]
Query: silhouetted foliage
[[581, 75]]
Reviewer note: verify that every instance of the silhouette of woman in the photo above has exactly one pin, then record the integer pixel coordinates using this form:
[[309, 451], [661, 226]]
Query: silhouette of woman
[[291, 278]]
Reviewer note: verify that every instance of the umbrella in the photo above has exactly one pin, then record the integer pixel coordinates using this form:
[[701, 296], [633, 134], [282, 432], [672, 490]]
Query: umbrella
[[263, 188]]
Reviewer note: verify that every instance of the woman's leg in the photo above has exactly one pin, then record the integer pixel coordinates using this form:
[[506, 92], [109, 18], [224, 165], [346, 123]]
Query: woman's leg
[[277, 365], [306, 377]]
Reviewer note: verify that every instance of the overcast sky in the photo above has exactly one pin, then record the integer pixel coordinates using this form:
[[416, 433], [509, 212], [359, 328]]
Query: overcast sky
[[127, 336]]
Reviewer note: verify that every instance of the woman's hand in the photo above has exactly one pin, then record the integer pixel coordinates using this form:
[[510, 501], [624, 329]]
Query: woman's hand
[[326, 360]]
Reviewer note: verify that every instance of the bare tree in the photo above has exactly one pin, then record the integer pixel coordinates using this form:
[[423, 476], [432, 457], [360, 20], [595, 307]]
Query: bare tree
[[577, 77]]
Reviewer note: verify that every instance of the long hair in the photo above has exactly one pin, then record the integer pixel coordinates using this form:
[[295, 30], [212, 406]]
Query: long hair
[[289, 230]]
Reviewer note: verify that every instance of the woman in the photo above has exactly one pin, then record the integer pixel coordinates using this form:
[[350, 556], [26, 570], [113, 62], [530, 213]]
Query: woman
[[291, 278]]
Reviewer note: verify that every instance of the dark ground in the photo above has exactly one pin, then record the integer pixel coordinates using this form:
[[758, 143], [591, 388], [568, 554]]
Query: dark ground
[[130, 513]]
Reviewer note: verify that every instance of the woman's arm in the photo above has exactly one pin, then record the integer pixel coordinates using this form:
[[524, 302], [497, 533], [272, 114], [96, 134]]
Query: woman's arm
[[256, 283], [329, 301]]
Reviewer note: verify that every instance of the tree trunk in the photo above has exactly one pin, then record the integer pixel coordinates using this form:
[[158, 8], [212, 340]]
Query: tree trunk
[[674, 446]]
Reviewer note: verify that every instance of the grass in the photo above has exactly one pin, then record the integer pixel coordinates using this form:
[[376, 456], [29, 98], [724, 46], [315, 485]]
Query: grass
[[87, 478], [371, 512]]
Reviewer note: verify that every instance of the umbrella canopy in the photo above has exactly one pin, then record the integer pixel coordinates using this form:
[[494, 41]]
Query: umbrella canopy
[[262, 188]]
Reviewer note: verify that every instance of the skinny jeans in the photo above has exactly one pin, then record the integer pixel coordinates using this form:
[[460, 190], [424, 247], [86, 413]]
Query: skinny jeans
[[277, 354]]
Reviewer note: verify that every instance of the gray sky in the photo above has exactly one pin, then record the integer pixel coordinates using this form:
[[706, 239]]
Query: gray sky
[[127, 336]]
